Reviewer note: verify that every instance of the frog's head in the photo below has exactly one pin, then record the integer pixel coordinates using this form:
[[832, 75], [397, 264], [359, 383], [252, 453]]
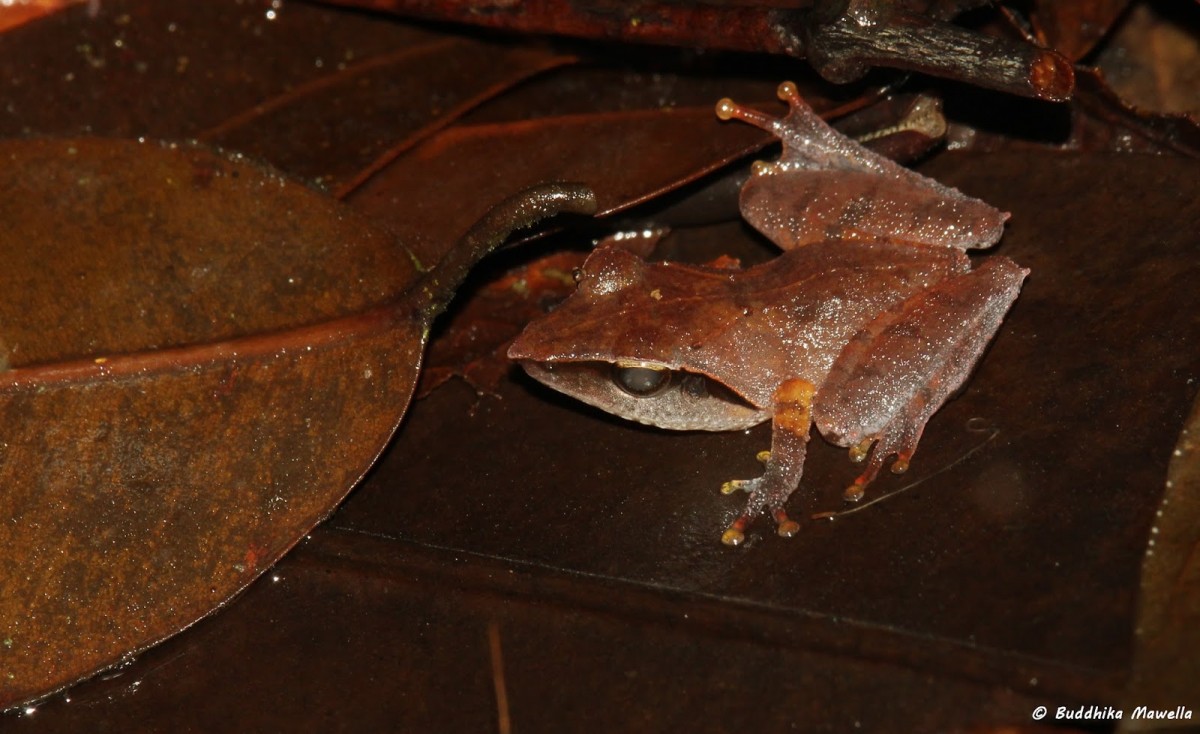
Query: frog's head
[[624, 343]]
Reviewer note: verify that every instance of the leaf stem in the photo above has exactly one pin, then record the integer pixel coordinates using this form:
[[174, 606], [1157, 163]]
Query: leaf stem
[[437, 286]]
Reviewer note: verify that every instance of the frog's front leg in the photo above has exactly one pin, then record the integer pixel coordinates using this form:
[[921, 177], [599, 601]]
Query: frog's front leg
[[790, 424], [899, 369]]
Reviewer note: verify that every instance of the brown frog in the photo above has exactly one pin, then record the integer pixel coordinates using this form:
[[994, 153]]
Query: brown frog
[[865, 325]]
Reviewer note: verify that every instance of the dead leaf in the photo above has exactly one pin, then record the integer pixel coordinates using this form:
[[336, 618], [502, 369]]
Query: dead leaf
[[17, 12], [1074, 27], [1153, 58], [473, 342], [201, 358], [185, 334], [626, 157], [1166, 666], [344, 126]]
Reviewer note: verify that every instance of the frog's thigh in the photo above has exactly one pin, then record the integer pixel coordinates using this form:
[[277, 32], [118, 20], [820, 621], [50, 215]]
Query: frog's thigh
[[802, 207], [899, 369]]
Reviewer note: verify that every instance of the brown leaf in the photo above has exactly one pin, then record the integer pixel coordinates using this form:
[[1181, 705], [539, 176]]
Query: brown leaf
[[840, 40], [1153, 58], [199, 359], [361, 91], [627, 157], [1073, 27], [1166, 666], [173, 70], [1102, 120], [185, 335], [344, 126], [473, 343], [13, 14]]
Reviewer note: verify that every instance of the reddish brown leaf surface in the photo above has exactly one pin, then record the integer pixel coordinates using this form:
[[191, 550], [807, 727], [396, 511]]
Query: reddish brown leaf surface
[[16, 12], [1073, 27], [474, 343], [841, 40], [410, 93], [1166, 666], [186, 389], [628, 157], [199, 359], [1153, 57], [361, 91], [1003, 582]]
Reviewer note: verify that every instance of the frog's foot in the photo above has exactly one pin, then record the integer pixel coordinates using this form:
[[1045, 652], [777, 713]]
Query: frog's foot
[[936, 336], [784, 463], [727, 109], [766, 492], [808, 142], [735, 534], [900, 442]]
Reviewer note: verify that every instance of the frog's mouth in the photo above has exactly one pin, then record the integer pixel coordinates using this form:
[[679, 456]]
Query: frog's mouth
[[650, 393]]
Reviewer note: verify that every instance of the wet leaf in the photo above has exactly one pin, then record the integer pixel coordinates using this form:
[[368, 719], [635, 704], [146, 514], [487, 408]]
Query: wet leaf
[[840, 41], [181, 346], [474, 341], [360, 93], [628, 157], [172, 70], [1152, 59], [1073, 27], [1166, 667], [200, 360], [1105, 121], [344, 126], [16, 12]]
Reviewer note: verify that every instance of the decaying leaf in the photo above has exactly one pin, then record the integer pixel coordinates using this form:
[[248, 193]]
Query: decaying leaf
[[201, 359], [475, 342], [628, 157], [1073, 27], [1166, 667], [16, 12], [409, 93], [169, 404]]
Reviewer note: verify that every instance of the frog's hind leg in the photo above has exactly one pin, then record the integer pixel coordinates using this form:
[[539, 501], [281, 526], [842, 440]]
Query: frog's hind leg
[[790, 424], [901, 367], [826, 187]]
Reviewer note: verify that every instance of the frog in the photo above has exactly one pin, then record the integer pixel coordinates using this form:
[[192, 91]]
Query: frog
[[869, 320]]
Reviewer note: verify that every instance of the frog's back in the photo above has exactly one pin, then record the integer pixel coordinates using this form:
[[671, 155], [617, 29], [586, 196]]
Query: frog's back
[[796, 312]]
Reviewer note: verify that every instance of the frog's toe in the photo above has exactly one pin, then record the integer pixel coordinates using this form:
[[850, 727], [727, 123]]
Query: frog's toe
[[860, 450], [785, 526], [888, 446], [727, 109], [735, 534], [738, 485]]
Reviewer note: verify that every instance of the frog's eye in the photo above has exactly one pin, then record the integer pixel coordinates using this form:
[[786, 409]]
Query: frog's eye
[[641, 381]]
